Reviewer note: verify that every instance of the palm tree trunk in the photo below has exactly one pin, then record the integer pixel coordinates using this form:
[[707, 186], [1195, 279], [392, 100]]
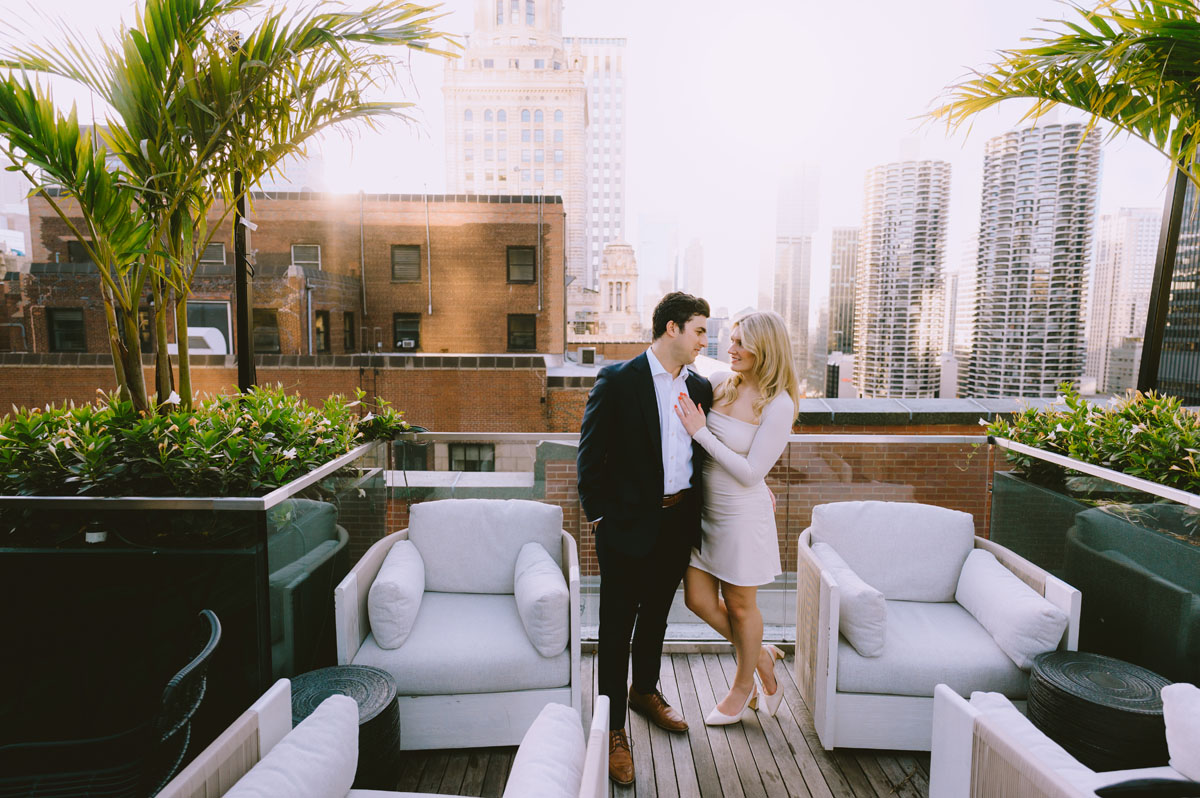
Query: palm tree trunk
[[131, 355], [114, 343], [185, 366], [163, 378]]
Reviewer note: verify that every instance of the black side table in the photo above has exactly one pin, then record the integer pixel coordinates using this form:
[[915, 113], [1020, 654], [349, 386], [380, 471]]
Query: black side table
[[1105, 712], [378, 717]]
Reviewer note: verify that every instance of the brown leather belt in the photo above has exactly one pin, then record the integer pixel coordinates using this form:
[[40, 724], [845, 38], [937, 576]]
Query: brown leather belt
[[674, 498]]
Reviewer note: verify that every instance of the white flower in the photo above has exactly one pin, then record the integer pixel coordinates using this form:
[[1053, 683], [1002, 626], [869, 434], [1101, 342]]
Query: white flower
[[366, 418], [173, 399], [1061, 428], [983, 422], [289, 454]]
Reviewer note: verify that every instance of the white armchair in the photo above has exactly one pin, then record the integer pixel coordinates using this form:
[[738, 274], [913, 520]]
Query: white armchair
[[891, 581], [476, 662]]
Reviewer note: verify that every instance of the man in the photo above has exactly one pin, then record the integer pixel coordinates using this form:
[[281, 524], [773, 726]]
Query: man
[[639, 481]]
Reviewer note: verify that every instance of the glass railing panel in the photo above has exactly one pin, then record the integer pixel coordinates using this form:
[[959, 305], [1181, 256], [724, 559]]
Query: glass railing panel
[[1130, 547]]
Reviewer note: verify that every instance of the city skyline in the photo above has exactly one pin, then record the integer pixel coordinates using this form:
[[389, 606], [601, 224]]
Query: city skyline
[[703, 130]]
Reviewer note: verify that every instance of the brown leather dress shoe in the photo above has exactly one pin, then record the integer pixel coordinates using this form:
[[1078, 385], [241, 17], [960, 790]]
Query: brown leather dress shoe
[[620, 760], [655, 709]]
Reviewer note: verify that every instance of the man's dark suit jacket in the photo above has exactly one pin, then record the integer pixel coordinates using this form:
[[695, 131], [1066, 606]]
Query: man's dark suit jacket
[[620, 456]]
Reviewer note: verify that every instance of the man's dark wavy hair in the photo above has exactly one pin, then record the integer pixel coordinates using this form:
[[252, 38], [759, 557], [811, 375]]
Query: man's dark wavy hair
[[679, 308]]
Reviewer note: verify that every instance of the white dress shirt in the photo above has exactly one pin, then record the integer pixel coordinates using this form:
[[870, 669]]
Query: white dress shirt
[[676, 443]]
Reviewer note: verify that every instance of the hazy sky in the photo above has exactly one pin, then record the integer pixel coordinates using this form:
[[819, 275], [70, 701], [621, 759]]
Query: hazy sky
[[723, 98]]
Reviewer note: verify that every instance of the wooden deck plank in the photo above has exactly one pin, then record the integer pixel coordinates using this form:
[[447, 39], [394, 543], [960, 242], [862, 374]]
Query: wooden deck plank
[[704, 767], [587, 689], [477, 762], [827, 779], [743, 757], [898, 775], [917, 763], [435, 769], [718, 741], [456, 771], [411, 769], [868, 760], [785, 755], [499, 763], [768, 769], [860, 785], [686, 783], [643, 755]]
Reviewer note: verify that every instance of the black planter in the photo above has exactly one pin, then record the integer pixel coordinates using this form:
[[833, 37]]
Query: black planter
[[1032, 520]]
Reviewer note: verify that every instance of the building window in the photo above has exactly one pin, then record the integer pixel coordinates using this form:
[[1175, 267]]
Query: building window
[[321, 330], [537, 116], [558, 137], [468, 116], [525, 136], [501, 116], [522, 332], [538, 175], [489, 63], [502, 156], [468, 155], [499, 12], [558, 156], [66, 330], [488, 155], [406, 331], [539, 135], [488, 135], [539, 63], [472, 457], [501, 136], [306, 255], [528, 12], [406, 263], [522, 264], [348, 331], [514, 63], [487, 115], [558, 175], [213, 253], [558, 116], [209, 328], [266, 331], [525, 156], [76, 253], [525, 115], [469, 135], [539, 156]]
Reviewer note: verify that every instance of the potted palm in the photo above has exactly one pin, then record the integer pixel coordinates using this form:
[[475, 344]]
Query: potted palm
[[119, 521]]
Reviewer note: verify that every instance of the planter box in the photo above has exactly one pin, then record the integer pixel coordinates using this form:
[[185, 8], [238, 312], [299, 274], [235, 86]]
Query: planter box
[[96, 628], [1132, 548]]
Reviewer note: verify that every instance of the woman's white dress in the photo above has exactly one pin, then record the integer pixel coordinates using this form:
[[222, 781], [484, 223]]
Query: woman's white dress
[[739, 543]]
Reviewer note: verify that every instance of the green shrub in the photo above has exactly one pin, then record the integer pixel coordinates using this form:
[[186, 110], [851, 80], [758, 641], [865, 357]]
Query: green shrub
[[241, 445], [1143, 435]]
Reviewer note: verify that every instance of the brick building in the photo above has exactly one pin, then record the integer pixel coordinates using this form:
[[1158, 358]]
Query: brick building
[[334, 274]]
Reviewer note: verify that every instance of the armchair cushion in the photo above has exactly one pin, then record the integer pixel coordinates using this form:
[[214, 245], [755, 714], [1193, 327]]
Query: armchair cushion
[[908, 552], [1004, 718], [1021, 622], [549, 762], [317, 759], [395, 596], [929, 643], [543, 600], [1151, 788], [471, 545], [862, 612], [1181, 712], [464, 643]]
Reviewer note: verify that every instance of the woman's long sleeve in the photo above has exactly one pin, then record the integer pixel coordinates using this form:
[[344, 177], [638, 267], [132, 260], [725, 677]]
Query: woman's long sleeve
[[770, 439]]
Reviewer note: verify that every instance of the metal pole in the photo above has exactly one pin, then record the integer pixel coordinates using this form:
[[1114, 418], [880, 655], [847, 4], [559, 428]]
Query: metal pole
[[243, 291], [1160, 292]]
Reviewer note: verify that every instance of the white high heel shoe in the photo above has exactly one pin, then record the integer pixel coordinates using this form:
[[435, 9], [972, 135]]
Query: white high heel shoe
[[719, 718], [769, 702]]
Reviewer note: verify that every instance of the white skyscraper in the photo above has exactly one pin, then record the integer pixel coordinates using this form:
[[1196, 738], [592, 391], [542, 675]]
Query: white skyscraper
[[603, 62], [795, 224], [1037, 209], [516, 124], [691, 278], [899, 290], [1119, 294]]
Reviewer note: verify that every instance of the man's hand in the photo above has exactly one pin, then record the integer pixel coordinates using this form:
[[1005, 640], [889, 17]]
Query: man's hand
[[690, 414]]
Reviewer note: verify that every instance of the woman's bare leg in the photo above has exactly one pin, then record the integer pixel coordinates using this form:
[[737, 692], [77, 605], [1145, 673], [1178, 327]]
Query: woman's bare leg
[[701, 595], [746, 623]]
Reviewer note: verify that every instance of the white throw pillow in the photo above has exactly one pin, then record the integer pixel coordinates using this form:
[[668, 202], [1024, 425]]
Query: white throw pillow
[[395, 595], [862, 617], [317, 759], [549, 763], [1021, 622], [543, 600], [1181, 711]]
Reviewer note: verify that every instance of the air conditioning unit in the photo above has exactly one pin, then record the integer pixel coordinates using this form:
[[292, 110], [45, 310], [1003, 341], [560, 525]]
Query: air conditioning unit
[[408, 343], [587, 355]]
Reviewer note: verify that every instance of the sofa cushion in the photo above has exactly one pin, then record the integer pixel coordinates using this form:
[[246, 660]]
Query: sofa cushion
[[862, 612], [465, 643], [549, 762], [543, 600], [471, 545], [1181, 712], [1021, 622], [395, 596], [908, 552], [317, 759], [927, 644]]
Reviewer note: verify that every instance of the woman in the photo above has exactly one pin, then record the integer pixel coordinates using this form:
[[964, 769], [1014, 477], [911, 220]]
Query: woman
[[744, 434]]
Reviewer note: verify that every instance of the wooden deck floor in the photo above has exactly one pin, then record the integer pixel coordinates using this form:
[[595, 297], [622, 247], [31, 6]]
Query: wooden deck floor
[[768, 757]]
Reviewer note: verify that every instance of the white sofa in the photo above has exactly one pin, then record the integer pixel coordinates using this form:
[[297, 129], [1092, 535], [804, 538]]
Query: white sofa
[[468, 674], [986, 747], [914, 555], [551, 757]]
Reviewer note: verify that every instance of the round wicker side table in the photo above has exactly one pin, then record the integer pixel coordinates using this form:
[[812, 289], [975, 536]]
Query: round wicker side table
[[1105, 712], [378, 717]]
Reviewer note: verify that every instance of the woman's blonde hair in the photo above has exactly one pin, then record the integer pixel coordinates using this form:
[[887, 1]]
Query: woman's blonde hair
[[766, 337]]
